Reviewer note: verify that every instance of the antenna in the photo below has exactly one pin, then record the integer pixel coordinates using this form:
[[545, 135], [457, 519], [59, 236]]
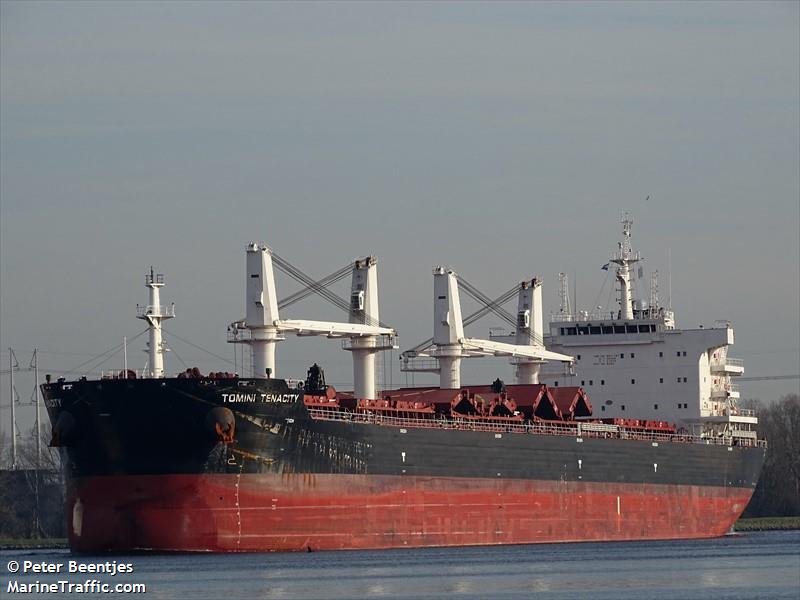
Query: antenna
[[669, 278], [563, 294], [575, 292], [654, 290]]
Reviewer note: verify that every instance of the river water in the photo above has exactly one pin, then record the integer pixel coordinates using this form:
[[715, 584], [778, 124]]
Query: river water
[[741, 566]]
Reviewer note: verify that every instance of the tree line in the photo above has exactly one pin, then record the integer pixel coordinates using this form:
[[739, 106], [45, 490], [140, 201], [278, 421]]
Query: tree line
[[31, 499], [778, 491]]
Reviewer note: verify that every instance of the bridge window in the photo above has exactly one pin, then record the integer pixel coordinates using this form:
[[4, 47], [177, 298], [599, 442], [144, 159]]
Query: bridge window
[[619, 328], [608, 329], [631, 328], [595, 330], [572, 331], [583, 331], [644, 328]]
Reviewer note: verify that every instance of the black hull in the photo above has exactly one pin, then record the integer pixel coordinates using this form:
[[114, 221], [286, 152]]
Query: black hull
[[149, 427]]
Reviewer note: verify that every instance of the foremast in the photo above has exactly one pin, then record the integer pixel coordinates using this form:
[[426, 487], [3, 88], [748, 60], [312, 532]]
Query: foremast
[[154, 313]]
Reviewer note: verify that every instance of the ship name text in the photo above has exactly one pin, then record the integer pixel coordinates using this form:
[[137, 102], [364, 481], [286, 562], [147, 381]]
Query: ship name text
[[273, 398]]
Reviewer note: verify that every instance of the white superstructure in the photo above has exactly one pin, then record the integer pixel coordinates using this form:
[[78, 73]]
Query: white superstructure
[[634, 363]]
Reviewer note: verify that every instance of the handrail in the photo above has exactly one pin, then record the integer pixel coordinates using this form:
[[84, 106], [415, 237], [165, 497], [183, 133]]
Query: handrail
[[163, 310], [722, 362], [571, 429], [724, 387]]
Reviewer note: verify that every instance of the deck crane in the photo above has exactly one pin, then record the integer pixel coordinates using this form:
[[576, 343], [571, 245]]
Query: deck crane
[[421, 350], [265, 328], [449, 343]]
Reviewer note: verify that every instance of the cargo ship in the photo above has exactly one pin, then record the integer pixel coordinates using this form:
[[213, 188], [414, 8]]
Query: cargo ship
[[223, 462]]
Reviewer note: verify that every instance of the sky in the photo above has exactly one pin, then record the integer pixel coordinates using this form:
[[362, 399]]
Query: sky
[[501, 139]]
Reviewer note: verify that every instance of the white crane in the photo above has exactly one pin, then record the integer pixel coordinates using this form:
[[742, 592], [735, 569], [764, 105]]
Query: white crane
[[266, 327], [451, 345]]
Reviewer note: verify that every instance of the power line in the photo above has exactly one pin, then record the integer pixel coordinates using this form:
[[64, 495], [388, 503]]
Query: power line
[[768, 378], [185, 341]]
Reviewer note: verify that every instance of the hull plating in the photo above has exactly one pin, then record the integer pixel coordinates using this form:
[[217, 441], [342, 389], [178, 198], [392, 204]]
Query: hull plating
[[238, 465], [297, 512]]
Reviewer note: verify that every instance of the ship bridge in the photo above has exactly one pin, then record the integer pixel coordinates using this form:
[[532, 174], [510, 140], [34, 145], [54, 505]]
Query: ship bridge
[[634, 362]]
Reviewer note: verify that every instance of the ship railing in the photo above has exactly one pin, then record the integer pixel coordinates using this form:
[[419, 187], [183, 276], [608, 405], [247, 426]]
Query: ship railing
[[721, 363], [724, 389], [580, 430], [160, 310], [120, 374], [582, 316], [420, 364], [742, 412]]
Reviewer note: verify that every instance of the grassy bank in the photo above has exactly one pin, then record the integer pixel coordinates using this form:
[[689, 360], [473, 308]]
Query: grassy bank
[[767, 524], [32, 544]]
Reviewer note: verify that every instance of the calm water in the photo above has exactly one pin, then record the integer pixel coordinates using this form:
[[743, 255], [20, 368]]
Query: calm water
[[746, 566]]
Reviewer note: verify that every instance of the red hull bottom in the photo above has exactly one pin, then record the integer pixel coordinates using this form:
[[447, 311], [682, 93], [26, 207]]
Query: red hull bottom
[[256, 513]]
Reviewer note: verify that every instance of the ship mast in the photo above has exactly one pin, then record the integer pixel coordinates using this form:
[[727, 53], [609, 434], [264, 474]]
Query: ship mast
[[154, 314], [625, 258]]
